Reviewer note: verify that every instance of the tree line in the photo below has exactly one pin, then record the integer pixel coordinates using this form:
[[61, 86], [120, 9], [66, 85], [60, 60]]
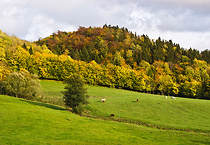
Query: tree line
[[186, 78]]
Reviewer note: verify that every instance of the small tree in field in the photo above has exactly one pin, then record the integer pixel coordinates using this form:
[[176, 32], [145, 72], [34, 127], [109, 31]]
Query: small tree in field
[[75, 95]]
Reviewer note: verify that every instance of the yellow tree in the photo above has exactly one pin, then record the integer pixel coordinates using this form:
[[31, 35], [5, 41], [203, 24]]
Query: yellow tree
[[4, 70]]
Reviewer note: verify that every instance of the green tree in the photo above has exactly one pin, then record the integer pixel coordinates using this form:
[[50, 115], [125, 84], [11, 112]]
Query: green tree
[[207, 90], [75, 95], [118, 59], [31, 51], [189, 89]]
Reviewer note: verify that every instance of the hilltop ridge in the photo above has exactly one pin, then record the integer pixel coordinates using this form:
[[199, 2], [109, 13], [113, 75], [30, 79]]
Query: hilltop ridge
[[118, 46]]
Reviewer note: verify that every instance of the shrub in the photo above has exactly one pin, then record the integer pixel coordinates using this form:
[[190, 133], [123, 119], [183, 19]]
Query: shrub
[[21, 85]]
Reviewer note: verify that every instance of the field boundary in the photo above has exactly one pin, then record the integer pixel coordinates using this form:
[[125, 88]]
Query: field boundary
[[143, 124]]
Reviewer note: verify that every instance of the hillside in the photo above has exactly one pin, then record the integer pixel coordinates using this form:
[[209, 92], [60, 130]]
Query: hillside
[[151, 110], [163, 66], [28, 122], [111, 57]]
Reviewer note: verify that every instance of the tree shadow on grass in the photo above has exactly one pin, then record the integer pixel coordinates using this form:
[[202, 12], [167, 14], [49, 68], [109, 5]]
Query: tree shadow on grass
[[45, 105]]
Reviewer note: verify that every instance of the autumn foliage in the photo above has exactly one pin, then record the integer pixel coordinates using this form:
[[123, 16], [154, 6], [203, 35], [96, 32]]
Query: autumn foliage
[[111, 57]]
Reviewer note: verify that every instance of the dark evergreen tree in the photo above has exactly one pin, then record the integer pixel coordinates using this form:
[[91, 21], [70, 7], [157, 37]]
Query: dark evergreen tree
[[75, 94], [31, 50], [206, 55], [24, 46]]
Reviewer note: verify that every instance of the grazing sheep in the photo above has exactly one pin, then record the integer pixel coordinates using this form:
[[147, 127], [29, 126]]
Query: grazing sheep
[[165, 97], [173, 97], [103, 100], [112, 115]]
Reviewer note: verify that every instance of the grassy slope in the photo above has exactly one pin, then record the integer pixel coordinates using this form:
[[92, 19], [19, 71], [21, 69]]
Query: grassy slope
[[27, 122], [182, 113], [52, 92], [52, 88]]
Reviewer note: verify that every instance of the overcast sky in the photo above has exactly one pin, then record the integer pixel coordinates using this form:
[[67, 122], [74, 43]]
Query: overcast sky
[[186, 22]]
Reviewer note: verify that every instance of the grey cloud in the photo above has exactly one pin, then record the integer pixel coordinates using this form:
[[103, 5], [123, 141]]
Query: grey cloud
[[40, 18], [164, 4], [184, 20], [178, 15]]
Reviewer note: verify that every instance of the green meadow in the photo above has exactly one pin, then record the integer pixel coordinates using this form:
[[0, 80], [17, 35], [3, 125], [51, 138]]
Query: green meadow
[[52, 88], [151, 110], [152, 120]]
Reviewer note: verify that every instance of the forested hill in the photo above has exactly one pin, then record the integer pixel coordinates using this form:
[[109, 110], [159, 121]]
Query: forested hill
[[119, 46], [111, 57]]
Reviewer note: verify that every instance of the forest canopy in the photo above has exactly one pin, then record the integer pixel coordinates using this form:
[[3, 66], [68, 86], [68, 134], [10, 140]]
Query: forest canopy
[[113, 57], [118, 45]]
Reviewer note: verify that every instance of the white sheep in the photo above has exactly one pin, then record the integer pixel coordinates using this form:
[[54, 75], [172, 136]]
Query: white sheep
[[173, 97], [103, 100], [165, 97]]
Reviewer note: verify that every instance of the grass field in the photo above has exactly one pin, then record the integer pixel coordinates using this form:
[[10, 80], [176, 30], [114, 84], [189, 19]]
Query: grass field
[[152, 110], [52, 88], [52, 92], [28, 122], [32, 123]]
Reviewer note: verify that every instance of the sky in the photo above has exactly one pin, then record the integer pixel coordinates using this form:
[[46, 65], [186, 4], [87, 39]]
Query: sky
[[186, 22]]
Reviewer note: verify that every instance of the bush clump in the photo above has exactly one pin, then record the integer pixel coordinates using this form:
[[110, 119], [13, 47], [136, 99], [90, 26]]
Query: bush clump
[[21, 85]]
